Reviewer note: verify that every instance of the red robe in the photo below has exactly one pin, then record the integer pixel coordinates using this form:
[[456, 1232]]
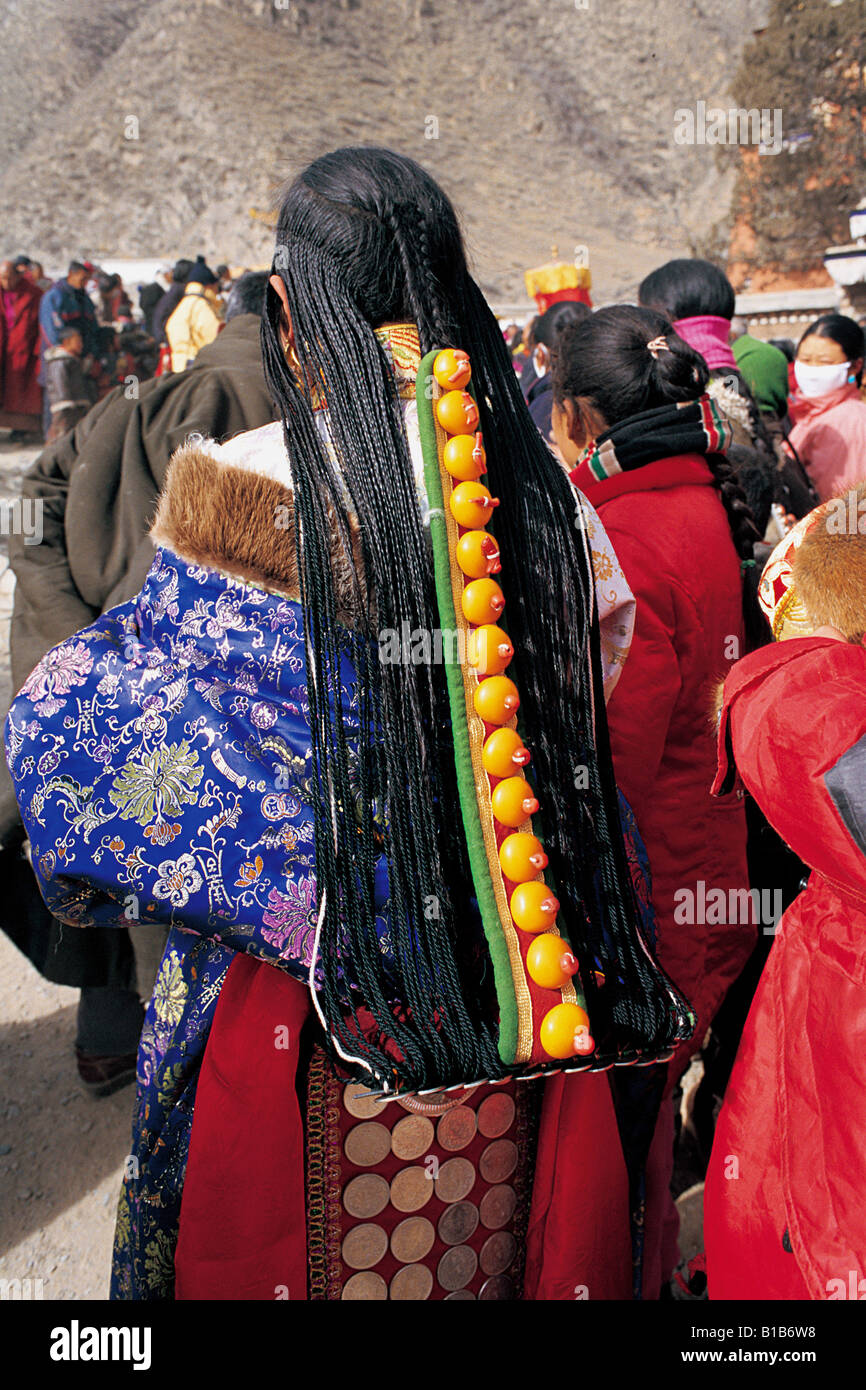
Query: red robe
[[789, 1153], [242, 1223], [20, 392], [671, 536]]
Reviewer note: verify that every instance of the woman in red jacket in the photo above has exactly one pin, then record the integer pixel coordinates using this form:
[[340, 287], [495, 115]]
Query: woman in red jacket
[[783, 1204], [645, 444]]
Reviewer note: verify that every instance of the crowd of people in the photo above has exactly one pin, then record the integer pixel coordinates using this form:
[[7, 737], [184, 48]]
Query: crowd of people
[[387, 996], [65, 345]]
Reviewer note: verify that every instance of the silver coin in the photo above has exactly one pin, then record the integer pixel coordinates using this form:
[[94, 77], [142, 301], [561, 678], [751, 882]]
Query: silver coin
[[457, 1267], [364, 1246], [365, 1286], [457, 1223], [498, 1205], [455, 1180], [412, 1239], [456, 1128], [365, 1196], [356, 1101], [498, 1288], [498, 1160], [498, 1252], [411, 1284]]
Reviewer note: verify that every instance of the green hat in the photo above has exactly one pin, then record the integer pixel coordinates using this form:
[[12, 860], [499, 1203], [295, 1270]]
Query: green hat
[[765, 369]]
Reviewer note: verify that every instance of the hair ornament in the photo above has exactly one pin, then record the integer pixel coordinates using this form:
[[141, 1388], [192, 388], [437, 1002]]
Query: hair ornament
[[658, 345]]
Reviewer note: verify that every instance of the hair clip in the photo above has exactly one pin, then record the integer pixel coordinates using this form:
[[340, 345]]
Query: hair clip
[[658, 345]]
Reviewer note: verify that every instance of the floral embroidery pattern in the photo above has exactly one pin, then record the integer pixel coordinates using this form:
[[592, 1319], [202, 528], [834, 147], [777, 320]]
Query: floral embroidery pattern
[[58, 672], [177, 879], [291, 917], [163, 781]]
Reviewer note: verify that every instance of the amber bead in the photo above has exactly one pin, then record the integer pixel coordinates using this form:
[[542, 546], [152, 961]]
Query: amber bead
[[565, 1030], [482, 601], [489, 650], [504, 753], [457, 412], [478, 554], [452, 369], [550, 961], [522, 857], [533, 906], [496, 700]]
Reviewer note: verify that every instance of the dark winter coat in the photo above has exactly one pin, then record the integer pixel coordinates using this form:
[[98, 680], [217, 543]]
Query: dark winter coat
[[98, 487], [65, 307], [165, 307]]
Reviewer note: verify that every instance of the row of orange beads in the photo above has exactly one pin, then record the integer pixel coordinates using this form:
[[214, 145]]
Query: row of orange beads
[[565, 1028]]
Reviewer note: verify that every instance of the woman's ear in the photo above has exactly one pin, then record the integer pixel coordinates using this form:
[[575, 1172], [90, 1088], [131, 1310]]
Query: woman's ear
[[856, 368], [563, 421], [285, 317]]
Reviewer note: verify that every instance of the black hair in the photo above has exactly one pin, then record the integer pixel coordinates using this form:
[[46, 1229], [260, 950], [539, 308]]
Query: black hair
[[551, 323], [180, 270], [757, 477], [74, 266], [844, 331], [785, 345], [247, 294], [684, 289], [366, 237], [606, 360]]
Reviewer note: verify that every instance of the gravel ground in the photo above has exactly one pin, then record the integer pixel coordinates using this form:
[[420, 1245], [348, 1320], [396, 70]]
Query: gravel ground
[[61, 1152]]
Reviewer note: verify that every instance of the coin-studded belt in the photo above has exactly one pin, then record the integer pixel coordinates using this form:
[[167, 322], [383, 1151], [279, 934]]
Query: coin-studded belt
[[425, 1197]]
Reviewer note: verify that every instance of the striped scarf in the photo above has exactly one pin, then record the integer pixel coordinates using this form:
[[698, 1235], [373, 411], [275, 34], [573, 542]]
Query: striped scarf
[[692, 427]]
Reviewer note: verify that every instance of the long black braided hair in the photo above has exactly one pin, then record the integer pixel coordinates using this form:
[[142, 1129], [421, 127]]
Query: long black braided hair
[[365, 237]]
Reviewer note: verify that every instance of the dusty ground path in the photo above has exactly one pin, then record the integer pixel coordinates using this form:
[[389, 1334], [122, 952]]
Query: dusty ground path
[[61, 1153]]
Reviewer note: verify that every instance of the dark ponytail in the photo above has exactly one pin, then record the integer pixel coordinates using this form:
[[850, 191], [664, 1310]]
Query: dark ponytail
[[366, 237]]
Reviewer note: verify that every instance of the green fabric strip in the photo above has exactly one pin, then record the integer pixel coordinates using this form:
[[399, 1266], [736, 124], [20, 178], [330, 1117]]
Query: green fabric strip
[[457, 699]]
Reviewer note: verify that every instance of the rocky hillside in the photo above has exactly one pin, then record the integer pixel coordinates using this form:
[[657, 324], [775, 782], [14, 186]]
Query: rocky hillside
[[165, 128]]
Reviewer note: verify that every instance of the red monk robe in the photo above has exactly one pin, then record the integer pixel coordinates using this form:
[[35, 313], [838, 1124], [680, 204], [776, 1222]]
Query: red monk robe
[[20, 392]]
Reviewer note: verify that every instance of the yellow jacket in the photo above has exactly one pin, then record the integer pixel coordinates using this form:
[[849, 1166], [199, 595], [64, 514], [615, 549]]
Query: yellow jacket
[[195, 322]]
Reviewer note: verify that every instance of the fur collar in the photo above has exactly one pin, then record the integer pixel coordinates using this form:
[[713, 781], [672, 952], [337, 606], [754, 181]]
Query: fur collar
[[230, 508]]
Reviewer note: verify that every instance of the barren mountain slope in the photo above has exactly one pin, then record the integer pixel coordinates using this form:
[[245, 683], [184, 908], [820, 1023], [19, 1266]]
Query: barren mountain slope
[[552, 123]]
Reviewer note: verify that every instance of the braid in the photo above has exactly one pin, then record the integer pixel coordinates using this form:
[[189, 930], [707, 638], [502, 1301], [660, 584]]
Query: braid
[[384, 775], [436, 327], [745, 535], [744, 532]]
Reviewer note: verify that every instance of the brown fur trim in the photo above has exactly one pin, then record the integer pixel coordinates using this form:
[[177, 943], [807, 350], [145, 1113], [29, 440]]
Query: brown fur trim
[[241, 524], [828, 570]]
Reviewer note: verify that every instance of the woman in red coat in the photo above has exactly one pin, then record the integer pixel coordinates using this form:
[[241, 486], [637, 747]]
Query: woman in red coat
[[20, 392], [645, 445], [783, 1207]]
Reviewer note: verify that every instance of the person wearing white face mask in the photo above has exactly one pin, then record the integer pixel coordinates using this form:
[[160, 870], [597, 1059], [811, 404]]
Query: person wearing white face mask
[[829, 418]]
